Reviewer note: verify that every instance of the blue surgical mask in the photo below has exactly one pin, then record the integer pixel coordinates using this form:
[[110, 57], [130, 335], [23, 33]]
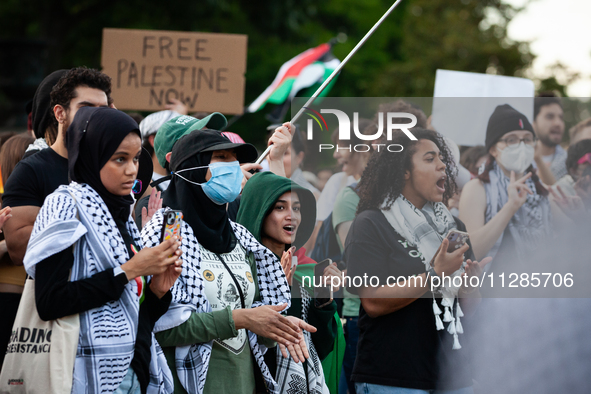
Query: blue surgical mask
[[225, 183]]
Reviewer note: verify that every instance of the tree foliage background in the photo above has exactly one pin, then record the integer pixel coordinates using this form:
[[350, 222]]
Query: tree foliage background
[[400, 59]]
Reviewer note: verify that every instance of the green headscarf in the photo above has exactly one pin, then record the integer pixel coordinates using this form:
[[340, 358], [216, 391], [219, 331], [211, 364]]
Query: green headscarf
[[259, 196]]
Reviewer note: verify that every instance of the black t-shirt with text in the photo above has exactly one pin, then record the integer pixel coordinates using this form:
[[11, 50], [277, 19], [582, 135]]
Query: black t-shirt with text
[[34, 178], [403, 348]]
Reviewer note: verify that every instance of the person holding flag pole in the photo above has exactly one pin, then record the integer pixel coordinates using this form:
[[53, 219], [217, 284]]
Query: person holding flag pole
[[192, 371], [334, 73], [304, 71], [263, 98]]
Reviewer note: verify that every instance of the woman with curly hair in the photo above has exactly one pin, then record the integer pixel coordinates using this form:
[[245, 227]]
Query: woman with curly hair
[[400, 231]]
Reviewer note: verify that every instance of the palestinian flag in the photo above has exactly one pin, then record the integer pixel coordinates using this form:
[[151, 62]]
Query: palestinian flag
[[141, 287], [306, 70]]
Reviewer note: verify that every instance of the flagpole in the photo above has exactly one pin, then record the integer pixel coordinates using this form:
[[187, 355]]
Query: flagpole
[[334, 73]]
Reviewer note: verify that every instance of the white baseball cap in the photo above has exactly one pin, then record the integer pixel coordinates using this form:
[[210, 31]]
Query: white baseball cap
[[152, 122]]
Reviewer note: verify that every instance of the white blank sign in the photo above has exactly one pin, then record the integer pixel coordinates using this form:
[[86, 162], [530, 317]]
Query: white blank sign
[[463, 102]]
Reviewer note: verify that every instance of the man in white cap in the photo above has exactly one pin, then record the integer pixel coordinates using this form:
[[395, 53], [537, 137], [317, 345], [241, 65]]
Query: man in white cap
[[148, 128]]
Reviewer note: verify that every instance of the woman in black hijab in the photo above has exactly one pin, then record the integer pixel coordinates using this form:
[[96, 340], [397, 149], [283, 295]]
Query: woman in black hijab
[[227, 299], [208, 219], [85, 256]]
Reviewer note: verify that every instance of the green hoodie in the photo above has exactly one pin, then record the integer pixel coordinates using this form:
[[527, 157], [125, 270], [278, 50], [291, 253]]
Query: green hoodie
[[258, 198]]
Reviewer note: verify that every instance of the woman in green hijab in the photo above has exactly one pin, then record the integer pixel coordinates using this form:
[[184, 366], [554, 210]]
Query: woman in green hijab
[[280, 213]]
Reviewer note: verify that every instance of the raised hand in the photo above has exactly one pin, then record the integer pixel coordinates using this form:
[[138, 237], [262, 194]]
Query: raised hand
[[281, 140], [177, 106], [286, 264], [572, 206], [518, 190], [154, 204]]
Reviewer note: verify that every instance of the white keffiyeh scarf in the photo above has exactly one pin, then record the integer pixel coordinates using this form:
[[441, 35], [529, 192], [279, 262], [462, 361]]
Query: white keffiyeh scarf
[[188, 297], [291, 376], [530, 225], [76, 214], [38, 144], [425, 228]]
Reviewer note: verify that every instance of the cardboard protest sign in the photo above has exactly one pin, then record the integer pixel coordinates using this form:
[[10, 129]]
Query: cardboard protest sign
[[464, 101], [148, 67]]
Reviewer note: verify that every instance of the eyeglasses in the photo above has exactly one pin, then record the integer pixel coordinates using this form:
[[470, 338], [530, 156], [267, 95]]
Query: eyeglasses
[[514, 140], [585, 159]]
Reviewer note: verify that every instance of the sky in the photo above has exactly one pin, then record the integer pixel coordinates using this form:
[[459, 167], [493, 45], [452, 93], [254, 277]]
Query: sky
[[558, 31]]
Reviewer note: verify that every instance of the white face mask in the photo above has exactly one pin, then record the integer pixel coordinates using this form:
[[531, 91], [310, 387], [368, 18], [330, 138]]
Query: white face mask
[[517, 157]]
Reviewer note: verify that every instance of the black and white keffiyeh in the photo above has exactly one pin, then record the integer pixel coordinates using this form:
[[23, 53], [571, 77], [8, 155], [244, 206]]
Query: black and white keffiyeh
[[558, 163], [38, 144], [425, 228], [76, 215], [530, 225], [188, 296], [291, 376]]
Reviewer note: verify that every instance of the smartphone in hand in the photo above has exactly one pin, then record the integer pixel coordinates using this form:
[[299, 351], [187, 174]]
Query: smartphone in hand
[[323, 295], [456, 239], [171, 225]]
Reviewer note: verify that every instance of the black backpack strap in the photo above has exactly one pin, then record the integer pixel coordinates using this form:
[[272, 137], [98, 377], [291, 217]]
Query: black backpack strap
[[159, 181]]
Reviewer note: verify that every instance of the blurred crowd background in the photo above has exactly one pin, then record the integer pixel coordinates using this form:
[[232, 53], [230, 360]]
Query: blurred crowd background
[[399, 61]]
